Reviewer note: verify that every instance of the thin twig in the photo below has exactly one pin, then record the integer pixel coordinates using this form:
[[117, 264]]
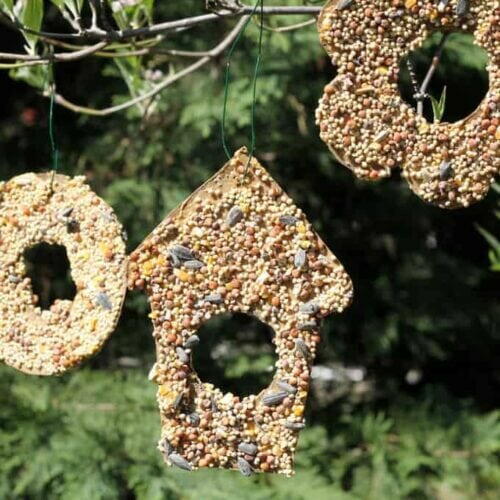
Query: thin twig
[[120, 35], [422, 92], [56, 57], [292, 27], [216, 51]]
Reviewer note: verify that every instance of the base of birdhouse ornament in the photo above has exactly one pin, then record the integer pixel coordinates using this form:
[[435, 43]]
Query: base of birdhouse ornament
[[237, 244], [59, 210]]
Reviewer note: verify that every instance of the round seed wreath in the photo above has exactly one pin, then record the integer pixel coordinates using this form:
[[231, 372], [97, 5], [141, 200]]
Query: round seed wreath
[[63, 211]]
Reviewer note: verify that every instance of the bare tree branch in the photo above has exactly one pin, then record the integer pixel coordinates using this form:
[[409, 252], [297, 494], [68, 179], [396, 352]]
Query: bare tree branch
[[121, 35], [292, 27], [57, 57], [422, 92], [216, 51]]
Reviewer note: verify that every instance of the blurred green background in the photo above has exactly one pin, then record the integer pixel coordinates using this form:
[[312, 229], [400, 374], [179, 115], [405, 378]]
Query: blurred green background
[[405, 393]]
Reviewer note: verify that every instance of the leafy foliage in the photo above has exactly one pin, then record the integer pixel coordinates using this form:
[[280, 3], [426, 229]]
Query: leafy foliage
[[93, 434]]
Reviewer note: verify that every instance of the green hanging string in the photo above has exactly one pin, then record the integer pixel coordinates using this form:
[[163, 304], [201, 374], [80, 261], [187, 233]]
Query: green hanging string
[[50, 84], [254, 81], [53, 146]]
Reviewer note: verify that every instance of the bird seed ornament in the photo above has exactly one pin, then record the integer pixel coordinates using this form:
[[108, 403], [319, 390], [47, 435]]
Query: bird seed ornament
[[60, 210], [371, 130], [237, 244]]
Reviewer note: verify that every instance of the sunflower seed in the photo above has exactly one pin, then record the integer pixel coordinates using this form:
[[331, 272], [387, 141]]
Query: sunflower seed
[[309, 308], [248, 448], [192, 341], [234, 216], [294, 426], [302, 348], [285, 386], [65, 212], [194, 419], [153, 373], [214, 298], [176, 262], [344, 4], [274, 398], [72, 226], [288, 220], [308, 326], [462, 7], [181, 253], [177, 401], [214, 407], [381, 136], [244, 467], [442, 5], [445, 171], [300, 258], [165, 447], [103, 300], [193, 264], [182, 355], [179, 461]]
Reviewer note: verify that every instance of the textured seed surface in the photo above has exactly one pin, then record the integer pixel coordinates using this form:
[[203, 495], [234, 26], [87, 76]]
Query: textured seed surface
[[309, 308], [285, 386], [274, 398], [103, 300], [244, 467], [180, 461], [294, 426], [182, 354], [248, 268], [344, 4], [248, 448], [165, 447], [192, 341], [52, 341], [289, 220], [193, 264], [308, 326], [194, 419], [214, 298], [300, 258], [368, 126], [462, 7], [181, 252], [234, 216], [445, 171], [302, 348]]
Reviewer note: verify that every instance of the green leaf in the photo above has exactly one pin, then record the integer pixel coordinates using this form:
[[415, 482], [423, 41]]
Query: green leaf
[[36, 76], [59, 4], [7, 5], [31, 17], [438, 106], [491, 239]]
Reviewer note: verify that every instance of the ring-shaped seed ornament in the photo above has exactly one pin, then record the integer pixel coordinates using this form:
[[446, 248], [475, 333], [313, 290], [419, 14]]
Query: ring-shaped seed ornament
[[371, 130], [237, 244], [59, 210]]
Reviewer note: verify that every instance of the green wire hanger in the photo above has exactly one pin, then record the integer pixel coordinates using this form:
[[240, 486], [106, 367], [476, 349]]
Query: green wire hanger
[[254, 81]]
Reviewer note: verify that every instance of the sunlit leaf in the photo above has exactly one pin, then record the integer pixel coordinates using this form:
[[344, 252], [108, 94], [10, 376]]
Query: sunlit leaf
[[31, 17]]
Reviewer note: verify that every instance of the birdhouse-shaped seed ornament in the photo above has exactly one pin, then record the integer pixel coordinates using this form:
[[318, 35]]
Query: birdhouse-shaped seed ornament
[[237, 244]]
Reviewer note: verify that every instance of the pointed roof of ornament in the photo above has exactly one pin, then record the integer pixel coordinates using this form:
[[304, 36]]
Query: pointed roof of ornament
[[236, 192]]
